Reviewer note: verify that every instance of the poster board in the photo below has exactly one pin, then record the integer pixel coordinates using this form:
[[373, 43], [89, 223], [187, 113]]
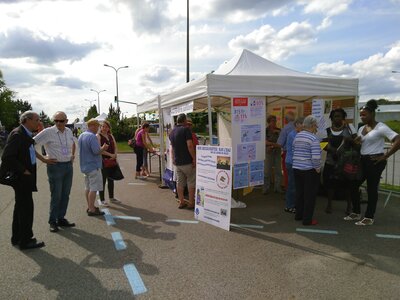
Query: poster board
[[320, 108], [248, 140], [213, 185]]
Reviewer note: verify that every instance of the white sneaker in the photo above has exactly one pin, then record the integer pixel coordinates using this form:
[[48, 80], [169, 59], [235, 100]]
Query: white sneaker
[[365, 222], [352, 217], [115, 200], [105, 204]]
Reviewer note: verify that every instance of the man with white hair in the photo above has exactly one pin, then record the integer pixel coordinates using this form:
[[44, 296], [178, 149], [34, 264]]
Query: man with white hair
[[59, 144], [19, 162]]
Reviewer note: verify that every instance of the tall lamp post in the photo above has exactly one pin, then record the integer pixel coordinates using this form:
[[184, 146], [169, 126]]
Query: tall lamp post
[[98, 97], [116, 80], [187, 42]]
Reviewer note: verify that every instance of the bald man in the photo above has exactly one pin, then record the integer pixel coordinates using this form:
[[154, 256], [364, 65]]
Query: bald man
[[60, 148]]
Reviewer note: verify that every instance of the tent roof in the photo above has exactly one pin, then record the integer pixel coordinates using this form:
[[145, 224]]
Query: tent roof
[[248, 74], [101, 117]]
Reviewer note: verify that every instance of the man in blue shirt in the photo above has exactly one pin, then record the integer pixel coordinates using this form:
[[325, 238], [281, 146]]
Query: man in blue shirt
[[282, 140], [90, 164]]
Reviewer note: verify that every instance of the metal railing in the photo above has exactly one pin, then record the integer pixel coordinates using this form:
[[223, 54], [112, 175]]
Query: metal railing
[[391, 174]]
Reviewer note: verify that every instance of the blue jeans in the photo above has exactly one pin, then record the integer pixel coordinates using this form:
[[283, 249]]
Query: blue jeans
[[60, 180], [290, 197]]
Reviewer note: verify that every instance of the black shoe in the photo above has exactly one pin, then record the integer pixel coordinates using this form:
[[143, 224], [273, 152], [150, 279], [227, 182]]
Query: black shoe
[[14, 242], [32, 244], [53, 227], [65, 223]]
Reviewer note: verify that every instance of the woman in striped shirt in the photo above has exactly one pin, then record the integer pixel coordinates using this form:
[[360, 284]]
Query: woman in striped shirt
[[306, 169]]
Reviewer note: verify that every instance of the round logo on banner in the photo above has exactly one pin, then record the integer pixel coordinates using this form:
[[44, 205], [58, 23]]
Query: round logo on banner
[[222, 179]]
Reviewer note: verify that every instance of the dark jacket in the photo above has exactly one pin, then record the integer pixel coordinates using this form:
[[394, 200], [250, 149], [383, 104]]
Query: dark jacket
[[16, 158]]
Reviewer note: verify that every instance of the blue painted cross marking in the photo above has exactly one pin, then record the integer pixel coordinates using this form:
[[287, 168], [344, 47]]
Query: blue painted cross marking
[[134, 279], [107, 215], [118, 241], [317, 231]]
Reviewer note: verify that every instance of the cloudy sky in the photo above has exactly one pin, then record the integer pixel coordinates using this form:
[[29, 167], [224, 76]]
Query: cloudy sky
[[53, 52]]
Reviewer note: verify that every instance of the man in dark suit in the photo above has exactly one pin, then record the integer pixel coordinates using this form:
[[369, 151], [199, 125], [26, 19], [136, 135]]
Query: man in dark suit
[[19, 158]]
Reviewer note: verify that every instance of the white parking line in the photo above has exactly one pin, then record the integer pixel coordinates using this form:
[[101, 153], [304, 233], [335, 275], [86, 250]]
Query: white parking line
[[317, 231], [182, 221], [388, 236], [127, 218], [247, 226]]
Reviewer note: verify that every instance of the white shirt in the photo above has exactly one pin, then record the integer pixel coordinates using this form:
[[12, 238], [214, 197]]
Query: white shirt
[[351, 129], [58, 144], [374, 141]]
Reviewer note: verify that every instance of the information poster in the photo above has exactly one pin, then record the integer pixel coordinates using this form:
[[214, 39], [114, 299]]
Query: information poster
[[256, 173], [241, 176], [248, 140], [213, 185], [321, 109]]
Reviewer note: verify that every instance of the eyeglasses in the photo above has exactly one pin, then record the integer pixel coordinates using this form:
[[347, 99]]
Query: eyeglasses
[[59, 121]]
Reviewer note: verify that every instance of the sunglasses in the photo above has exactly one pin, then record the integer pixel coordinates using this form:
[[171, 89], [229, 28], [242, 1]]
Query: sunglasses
[[59, 121]]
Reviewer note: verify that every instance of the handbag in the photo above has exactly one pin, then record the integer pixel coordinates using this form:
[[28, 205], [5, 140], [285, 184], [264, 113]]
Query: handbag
[[9, 178], [109, 163], [349, 164], [132, 143], [115, 173]]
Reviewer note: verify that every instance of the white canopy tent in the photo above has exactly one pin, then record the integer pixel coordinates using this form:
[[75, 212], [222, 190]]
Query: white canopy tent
[[101, 117], [251, 75], [248, 74]]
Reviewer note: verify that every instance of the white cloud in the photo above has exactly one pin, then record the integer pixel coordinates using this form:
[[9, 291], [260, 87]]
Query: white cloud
[[202, 51], [374, 72], [326, 7], [274, 45]]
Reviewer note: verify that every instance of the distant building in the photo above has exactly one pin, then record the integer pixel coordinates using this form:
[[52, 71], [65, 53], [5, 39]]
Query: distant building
[[386, 112]]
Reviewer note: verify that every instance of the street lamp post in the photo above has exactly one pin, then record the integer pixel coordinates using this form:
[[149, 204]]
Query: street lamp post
[[116, 80], [90, 102], [98, 98]]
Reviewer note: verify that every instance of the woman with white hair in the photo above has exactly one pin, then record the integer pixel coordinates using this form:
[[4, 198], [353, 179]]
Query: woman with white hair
[[306, 169]]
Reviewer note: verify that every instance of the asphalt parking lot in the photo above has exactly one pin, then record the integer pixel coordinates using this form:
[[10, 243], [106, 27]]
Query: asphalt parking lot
[[146, 248]]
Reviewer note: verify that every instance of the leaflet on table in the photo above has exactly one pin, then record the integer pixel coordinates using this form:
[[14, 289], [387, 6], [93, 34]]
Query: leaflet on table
[[240, 176], [213, 185], [250, 133]]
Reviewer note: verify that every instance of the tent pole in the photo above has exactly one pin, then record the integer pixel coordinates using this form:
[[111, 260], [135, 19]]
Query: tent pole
[[161, 126], [209, 120]]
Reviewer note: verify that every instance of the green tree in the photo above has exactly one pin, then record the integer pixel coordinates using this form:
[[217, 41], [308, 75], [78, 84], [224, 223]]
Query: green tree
[[44, 119], [92, 113]]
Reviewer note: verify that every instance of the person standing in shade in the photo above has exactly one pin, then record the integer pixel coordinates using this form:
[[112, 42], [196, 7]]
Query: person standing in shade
[[19, 157], [339, 135], [90, 163], [306, 169], [282, 141], [60, 147], [140, 137], [272, 156], [373, 159], [184, 158], [290, 195]]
